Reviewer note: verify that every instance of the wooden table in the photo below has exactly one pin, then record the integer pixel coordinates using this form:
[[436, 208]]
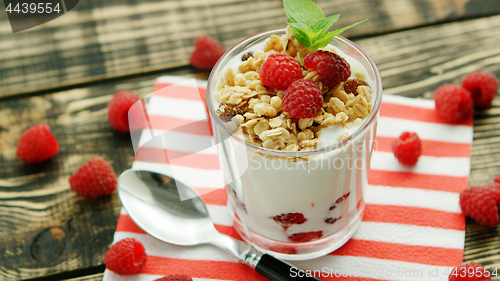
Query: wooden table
[[65, 72]]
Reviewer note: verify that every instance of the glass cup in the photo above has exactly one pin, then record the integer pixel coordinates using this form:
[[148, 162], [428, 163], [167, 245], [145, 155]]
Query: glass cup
[[295, 205]]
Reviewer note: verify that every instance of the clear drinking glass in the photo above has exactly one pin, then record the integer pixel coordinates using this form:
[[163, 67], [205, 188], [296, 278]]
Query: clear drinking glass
[[325, 185]]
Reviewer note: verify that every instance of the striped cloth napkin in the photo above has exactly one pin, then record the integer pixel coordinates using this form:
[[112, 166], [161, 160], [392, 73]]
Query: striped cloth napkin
[[412, 229]]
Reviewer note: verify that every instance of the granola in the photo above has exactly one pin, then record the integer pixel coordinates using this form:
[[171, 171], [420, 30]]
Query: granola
[[246, 104]]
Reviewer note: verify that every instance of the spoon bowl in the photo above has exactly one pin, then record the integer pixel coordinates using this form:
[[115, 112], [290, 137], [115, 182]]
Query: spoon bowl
[[153, 202]]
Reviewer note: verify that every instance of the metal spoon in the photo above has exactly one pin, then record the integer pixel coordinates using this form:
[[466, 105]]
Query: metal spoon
[[152, 201]]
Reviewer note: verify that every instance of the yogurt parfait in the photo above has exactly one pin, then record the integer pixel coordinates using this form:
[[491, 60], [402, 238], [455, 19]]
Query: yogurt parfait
[[295, 125]]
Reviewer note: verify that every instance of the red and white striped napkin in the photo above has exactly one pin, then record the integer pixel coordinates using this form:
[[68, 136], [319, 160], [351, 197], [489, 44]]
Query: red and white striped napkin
[[412, 229]]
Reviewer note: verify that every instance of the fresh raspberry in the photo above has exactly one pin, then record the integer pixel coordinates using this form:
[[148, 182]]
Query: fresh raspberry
[[118, 111], [480, 203], [302, 99], [330, 66], [407, 148], [37, 144], [305, 236], [126, 256], [453, 103], [483, 86], [497, 179], [175, 278], [286, 220], [279, 71], [206, 53], [469, 272], [93, 179]]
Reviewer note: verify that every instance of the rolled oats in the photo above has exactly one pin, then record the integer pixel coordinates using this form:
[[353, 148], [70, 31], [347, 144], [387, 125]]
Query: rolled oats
[[277, 103], [231, 126], [263, 109], [274, 43], [278, 133], [305, 135], [360, 111], [305, 123], [309, 144], [240, 80], [365, 92], [343, 136], [250, 115], [265, 98], [251, 123], [262, 126], [240, 119], [276, 122], [336, 105], [247, 66], [341, 95], [358, 122], [273, 144], [292, 147]]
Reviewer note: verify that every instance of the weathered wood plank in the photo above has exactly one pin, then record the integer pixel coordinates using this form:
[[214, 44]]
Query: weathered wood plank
[[36, 204], [45, 229], [416, 62], [105, 39]]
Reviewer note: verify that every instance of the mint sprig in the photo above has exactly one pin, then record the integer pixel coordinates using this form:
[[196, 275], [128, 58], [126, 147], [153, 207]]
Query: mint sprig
[[310, 25]]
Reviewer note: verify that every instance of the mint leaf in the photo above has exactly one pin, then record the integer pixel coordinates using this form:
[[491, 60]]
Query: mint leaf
[[340, 30], [304, 12], [325, 40], [322, 42], [303, 36], [325, 23], [309, 24]]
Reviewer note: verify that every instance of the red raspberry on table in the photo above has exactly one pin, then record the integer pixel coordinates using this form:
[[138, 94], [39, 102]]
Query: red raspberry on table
[[279, 71], [330, 66], [206, 53], [118, 111], [37, 144], [305, 236], [469, 272], [176, 277], [453, 103], [286, 220], [302, 99], [483, 86], [497, 179], [93, 179], [126, 256], [407, 148], [480, 203]]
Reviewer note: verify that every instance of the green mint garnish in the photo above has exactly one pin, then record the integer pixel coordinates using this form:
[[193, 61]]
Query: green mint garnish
[[310, 25]]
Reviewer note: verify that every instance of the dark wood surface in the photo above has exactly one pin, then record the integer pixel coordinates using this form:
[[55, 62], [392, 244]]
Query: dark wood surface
[[64, 73]]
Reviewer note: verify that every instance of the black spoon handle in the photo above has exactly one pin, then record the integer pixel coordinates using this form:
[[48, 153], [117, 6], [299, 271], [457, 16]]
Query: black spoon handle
[[277, 270]]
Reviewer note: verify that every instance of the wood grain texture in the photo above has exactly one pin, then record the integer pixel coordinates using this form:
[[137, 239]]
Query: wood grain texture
[[45, 229], [106, 39]]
